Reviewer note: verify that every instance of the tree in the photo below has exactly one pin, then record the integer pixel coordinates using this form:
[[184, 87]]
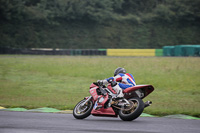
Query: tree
[[11, 10]]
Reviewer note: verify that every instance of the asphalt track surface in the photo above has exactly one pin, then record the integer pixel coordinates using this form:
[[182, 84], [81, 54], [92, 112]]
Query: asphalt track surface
[[30, 122]]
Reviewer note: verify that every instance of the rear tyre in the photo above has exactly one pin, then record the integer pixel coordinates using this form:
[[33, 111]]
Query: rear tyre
[[135, 112], [81, 112]]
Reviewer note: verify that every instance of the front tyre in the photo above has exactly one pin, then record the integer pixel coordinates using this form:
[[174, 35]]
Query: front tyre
[[82, 111], [133, 113]]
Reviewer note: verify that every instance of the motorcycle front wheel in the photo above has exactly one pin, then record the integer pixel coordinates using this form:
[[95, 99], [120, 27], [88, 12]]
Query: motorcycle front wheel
[[82, 111], [134, 112]]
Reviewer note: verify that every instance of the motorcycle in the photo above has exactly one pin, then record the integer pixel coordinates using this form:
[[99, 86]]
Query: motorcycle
[[102, 102]]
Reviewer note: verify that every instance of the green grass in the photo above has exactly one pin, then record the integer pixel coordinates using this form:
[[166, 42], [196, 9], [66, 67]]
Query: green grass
[[61, 81]]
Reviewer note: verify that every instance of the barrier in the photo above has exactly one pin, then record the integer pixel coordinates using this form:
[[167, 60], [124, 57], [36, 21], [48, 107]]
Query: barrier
[[181, 50], [50, 51], [83, 52], [159, 52], [130, 52], [178, 50], [168, 50]]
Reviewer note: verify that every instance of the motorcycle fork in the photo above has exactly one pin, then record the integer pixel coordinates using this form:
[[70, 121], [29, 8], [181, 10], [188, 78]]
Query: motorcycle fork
[[86, 102]]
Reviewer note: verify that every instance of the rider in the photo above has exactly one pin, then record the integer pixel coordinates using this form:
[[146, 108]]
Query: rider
[[120, 81]]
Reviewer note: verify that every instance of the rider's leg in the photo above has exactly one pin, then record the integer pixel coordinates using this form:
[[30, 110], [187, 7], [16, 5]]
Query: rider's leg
[[118, 90], [119, 94]]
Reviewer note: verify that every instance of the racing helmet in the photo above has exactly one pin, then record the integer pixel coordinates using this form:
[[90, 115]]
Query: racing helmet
[[119, 70]]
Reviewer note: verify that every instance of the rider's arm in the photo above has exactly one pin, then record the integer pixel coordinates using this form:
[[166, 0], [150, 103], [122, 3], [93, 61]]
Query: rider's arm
[[117, 78]]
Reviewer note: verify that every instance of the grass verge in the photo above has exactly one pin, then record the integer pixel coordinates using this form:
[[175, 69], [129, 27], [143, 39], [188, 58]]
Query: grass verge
[[61, 81]]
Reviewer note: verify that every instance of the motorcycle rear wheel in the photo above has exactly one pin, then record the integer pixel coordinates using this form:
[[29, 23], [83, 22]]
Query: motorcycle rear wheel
[[133, 113], [81, 112]]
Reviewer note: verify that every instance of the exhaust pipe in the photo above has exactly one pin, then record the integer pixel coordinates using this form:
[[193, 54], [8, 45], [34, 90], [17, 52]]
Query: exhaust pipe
[[147, 103]]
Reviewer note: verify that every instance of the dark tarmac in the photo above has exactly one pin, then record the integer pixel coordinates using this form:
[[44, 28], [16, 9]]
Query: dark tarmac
[[32, 122]]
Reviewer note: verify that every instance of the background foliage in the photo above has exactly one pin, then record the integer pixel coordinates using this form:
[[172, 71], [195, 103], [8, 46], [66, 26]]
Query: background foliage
[[98, 24]]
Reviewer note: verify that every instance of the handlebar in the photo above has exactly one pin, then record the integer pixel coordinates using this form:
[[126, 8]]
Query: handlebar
[[103, 92]]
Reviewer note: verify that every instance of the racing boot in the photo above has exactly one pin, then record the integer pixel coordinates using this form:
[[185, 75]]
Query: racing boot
[[119, 91], [114, 99], [119, 95]]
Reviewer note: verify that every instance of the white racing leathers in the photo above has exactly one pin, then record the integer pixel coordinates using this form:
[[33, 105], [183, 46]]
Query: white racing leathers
[[123, 81]]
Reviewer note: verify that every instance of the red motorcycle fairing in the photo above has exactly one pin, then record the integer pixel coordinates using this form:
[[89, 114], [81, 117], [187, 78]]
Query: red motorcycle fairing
[[104, 112], [144, 89], [93, 92], [100, 111], [93, 85]]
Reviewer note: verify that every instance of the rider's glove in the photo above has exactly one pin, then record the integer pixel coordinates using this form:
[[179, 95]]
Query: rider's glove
[[110, 80], [100, 82]]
